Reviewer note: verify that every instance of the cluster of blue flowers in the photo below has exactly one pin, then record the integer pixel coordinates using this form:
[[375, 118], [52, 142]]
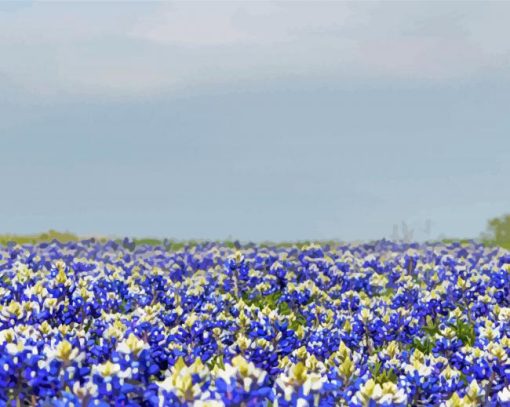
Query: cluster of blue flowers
[[90, 323]]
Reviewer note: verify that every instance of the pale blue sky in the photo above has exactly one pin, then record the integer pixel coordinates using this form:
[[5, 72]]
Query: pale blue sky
[[254, 120]]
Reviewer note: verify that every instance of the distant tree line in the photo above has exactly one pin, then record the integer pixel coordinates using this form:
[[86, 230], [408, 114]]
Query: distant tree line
[[498, 231], [497, 234]]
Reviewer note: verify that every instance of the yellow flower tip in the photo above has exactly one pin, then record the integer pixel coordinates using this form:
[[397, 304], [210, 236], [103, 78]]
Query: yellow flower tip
[[65, 351], [179, 365], [242, 365], [133, 344], [301, 353], [347, 327], [454, 401], [109, 369], [299, 373], [197, 366], [61, 277]]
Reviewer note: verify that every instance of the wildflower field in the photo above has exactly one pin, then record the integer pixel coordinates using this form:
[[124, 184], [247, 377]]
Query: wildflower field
[[118, 323]]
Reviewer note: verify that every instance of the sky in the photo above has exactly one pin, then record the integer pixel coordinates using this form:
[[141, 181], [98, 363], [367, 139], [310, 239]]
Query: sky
[[254, 120]]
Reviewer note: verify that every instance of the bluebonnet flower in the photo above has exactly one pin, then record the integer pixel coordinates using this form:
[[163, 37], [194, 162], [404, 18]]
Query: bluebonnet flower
[[364, 324]]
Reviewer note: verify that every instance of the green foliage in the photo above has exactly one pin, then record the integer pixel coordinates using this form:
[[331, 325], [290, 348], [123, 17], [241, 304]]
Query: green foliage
[[498, 232], [382, 376], [38, 238], [424, 346], [427, 342], [89, 324], [299, 321], [5, 279], [216, 361], [465, 332], [463, 379], [431, 326], [46, 237], [262, 301], [284, 309], [122, 306]]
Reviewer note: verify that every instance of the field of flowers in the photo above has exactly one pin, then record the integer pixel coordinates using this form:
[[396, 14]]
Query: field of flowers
[[108, 323]]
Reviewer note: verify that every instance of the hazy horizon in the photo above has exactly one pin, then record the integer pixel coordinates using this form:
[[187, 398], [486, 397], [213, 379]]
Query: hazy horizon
[[255, 121]]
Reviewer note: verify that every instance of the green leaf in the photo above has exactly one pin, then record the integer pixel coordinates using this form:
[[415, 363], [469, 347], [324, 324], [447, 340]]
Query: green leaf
[[284, 309], [425, 345], [465, 332], [262, 301], [383, 376], [299, 321], [216, 361], [432, 326]]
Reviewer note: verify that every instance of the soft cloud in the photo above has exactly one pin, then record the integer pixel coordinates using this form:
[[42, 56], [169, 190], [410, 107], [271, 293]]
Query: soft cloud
[[203, 24], [135, 48]]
